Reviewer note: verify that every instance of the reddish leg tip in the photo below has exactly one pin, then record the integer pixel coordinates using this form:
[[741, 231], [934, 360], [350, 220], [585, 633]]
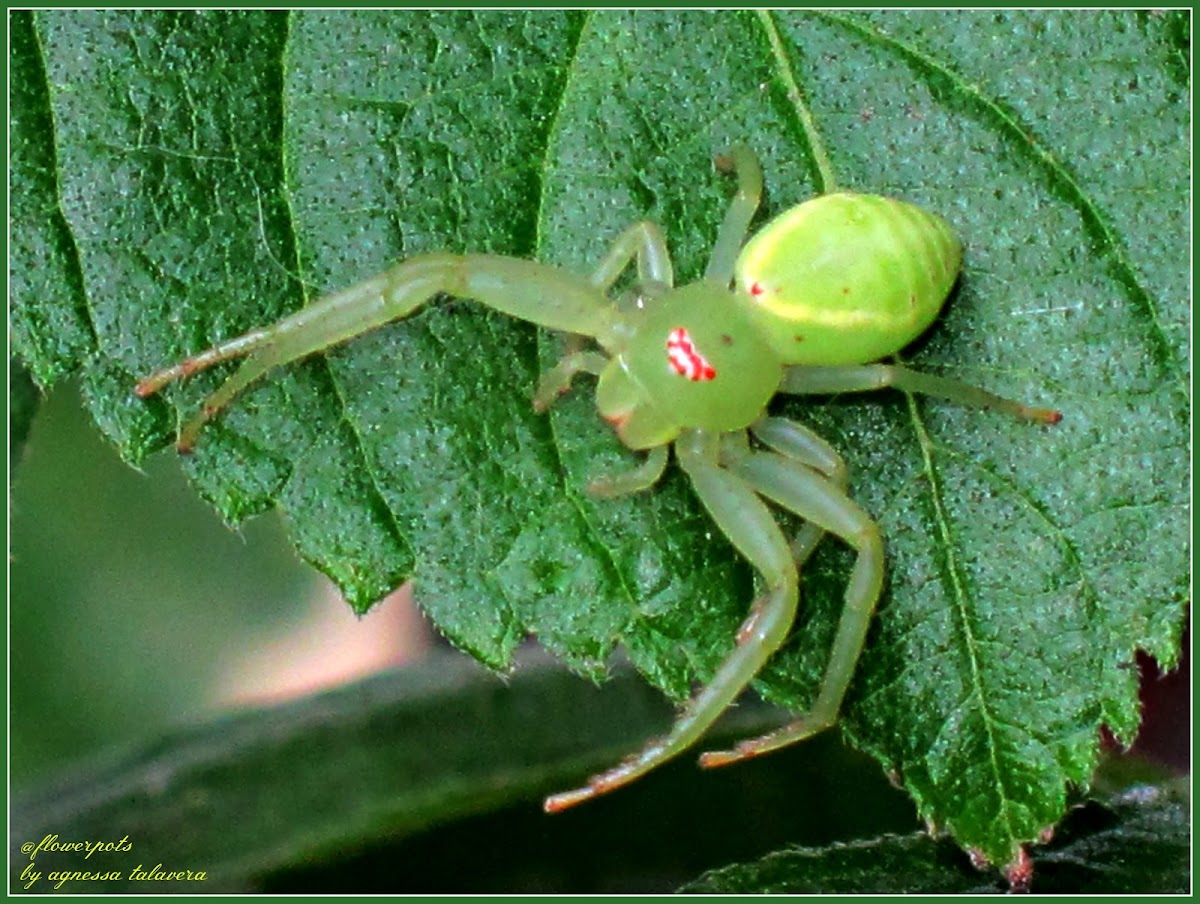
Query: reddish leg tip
[[556, 803], [1041, 415], [715, 758], [143, 389], [184, 448]]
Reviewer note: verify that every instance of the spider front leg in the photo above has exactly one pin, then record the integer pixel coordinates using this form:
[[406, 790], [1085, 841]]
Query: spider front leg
[[745, 519], [526, 290], [732, 234], [825, 504], [645, 241]]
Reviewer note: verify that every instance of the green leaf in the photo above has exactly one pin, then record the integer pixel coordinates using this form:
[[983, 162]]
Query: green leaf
[[180, 171], [51, 325], [1136, 843]]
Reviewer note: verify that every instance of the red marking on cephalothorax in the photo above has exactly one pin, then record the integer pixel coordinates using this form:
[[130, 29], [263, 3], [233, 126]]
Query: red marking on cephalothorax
[[756, 289], [685, 359]]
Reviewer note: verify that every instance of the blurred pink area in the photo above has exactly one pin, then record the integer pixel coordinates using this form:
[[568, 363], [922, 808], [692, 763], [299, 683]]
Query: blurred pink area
[[328, 646]]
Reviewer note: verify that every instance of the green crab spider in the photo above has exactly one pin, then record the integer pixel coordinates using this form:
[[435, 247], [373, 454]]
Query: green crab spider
[[804, 308]]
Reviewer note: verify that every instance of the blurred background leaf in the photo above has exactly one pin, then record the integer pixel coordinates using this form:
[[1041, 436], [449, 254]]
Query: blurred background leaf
[[1137, 841]]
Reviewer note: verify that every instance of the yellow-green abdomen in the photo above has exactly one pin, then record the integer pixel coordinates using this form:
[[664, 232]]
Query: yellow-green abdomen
[[847, 278]]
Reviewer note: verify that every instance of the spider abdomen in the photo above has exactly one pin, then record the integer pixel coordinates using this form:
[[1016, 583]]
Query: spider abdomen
[[847, 278]]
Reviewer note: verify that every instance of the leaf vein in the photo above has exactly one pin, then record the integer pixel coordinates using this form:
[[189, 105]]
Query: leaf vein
[[600, 549], [379, 503], [62, 223], [953, 573], [1059, 175], [1071, 552], [812, 136]]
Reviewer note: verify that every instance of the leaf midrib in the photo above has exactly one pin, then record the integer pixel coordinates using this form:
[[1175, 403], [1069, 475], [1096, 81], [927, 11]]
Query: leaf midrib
[[963, 605]]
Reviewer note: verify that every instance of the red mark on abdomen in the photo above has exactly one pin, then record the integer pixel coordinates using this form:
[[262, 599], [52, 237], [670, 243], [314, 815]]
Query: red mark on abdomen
[[685, 360]]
